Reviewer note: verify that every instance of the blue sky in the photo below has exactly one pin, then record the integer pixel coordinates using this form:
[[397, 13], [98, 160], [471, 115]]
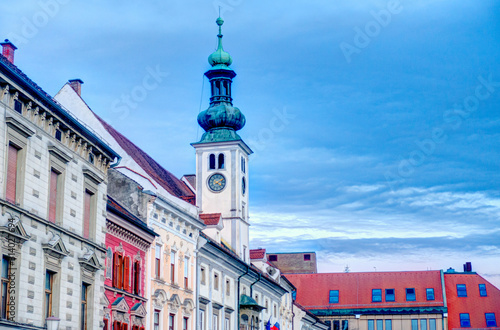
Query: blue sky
[[375, 124]]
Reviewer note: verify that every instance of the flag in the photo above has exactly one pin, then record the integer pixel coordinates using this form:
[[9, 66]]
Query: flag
[[276, 326], [268, 324]]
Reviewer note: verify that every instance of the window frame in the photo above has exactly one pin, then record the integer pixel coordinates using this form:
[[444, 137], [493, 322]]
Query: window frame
[[157, 261], [156, 319], [389, 295], [465, 320], [388, 324], [461, 290], [48, 293], [173, 260], [379, 295], [411, 296], [491, 319], [428, 293], [84, 306], [482, 290], [186, 272], [5, 287], [335, 294]]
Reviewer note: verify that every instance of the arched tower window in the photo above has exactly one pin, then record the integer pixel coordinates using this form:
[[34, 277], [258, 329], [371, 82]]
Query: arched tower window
[[211, 160], [221, 161], [226, 88], [243, 165]]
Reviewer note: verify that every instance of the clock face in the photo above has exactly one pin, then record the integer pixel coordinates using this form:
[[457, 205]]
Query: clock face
[[217, 182], [243, 186]]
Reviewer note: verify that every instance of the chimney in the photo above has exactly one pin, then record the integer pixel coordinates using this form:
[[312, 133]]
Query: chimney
[[468, 267], [76, 84], [8, 49]]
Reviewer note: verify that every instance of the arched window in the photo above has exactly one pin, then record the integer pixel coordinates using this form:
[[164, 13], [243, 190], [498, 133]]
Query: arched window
[[221, 161], [226, 89], [211, 162], [243, 165]]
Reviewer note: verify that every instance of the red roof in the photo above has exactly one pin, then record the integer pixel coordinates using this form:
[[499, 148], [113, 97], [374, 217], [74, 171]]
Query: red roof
[[257, 254], [210, 219], [475, 305], [166, 179], [355, 289]]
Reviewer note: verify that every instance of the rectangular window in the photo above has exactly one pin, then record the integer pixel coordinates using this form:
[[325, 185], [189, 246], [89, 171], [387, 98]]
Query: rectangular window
[[371, 324], [227, 323], [430, 293], [156, 320], [87, 213], [201, 319], [157, 260], [11, 189], [376, 295], [414, 324], [228, 288], [186, 272], [273, 257], [58, 135], [491, 320], [461, 290], [388, 325], [53, 195], [83, 316], [432, 324], [389, 295], [464, 320], [215, 326], [423, 324], [172, 267], [307, 257], [18, 106], [4, 312], [216, 282], [137, 277], [410, 294], [336, 325], [345, 325], [202, 275], [334, 297], [482, 290], [49, 282], [185, 323], [380, 324], [171, 321]]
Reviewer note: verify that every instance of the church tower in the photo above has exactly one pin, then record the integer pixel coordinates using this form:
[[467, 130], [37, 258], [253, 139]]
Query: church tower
[[222, 156]]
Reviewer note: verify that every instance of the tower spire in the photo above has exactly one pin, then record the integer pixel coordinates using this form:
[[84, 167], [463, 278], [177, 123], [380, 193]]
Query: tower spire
[[221, 120]]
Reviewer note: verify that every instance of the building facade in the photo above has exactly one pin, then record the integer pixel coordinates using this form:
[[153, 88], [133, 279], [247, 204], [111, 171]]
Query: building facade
[[128, 240], [53, 220], [294, 263], [375, 300]]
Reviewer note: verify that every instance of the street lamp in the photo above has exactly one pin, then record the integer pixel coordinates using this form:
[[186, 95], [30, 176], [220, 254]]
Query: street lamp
[[53, 323]]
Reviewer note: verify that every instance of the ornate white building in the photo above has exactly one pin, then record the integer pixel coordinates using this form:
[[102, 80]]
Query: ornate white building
[[53, 208]]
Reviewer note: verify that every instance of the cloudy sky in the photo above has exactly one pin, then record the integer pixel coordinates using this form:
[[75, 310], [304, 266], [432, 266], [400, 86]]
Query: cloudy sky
[[375, 124]]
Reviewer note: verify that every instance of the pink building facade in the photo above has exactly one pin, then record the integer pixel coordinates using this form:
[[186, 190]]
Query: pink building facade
[[127, 241]]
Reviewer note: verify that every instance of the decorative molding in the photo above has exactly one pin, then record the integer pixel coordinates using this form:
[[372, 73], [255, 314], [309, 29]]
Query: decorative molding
[[90, 262], [59, 153], [159, 298], [19, 126], [127, 236], [55, 248], [174, 303], [91, 175]]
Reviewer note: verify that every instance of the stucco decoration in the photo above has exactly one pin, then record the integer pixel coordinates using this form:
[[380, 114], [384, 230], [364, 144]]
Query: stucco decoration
[[109, 263], [159, 298], [187, 307], [174, 303]]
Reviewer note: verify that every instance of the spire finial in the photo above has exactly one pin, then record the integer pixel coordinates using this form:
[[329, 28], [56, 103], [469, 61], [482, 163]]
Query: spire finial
[[220, 57]]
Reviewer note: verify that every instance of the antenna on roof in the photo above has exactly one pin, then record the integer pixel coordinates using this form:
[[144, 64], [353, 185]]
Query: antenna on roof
[[347, 269]]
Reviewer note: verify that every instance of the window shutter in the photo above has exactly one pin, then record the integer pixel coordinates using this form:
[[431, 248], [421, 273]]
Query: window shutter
[[116, 325], [116, 269], [53, 196], [11, 174], [86, 215], [126, 275]]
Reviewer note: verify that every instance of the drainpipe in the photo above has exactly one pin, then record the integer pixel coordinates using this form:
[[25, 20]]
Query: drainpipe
[[293, 314], [238, 313], [251, 285]]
